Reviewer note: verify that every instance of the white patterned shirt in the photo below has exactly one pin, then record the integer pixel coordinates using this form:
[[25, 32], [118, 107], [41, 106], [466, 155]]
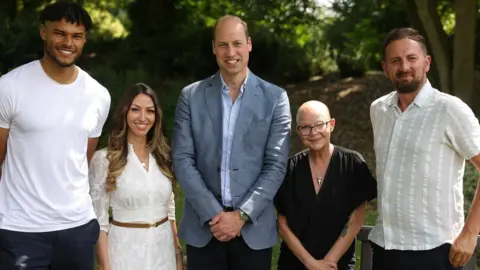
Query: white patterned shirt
[[420, 160]]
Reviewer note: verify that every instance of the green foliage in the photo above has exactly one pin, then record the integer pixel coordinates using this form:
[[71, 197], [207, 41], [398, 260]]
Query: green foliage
[[470, 181], [19, 42], [108, 26], [180, 43], [357, 31], [447, 15]]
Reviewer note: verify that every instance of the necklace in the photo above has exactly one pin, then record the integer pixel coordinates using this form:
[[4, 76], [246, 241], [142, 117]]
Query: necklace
[[143, 163], [319, 180], [319, 177]]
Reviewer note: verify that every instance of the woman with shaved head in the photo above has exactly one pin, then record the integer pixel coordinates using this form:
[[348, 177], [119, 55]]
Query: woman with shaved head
[[321, 203]]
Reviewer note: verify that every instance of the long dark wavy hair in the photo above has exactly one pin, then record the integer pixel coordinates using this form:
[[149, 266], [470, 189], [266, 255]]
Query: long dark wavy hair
[[117, 148]]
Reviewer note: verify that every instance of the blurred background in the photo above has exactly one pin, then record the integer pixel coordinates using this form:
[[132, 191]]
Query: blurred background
[[329, 50]]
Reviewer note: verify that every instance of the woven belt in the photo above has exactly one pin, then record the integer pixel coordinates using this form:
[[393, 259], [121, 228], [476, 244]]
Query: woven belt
[[139, 225]]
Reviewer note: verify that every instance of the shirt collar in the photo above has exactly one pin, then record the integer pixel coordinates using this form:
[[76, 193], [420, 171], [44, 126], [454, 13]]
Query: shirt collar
[[225, 86], [421, 98]]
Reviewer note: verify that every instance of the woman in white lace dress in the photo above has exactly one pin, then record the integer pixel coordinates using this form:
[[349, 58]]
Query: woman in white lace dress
[[133, 177]]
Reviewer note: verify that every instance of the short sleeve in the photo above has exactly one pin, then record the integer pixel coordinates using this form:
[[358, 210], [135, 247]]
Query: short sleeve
[[97, 177], [103, 111], [282, 197], [171, 207], [372, 115], [6, 102], [462, 129], [365, 185]]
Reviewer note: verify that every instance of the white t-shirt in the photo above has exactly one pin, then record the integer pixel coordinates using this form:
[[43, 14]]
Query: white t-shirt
[[44, 184]]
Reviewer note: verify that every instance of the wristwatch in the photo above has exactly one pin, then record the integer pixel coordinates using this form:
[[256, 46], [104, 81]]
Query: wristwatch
[[243, 216]]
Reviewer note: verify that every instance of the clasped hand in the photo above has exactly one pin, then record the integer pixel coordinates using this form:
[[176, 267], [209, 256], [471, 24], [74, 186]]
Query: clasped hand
[[226, 225], [322, 265]]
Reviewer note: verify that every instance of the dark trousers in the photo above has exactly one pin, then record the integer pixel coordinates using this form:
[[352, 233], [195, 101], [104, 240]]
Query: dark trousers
[[71, 249], [232, 255], [433, 259]]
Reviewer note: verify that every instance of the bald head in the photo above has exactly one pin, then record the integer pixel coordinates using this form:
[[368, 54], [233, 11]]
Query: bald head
[[230, 21], [313, 110]]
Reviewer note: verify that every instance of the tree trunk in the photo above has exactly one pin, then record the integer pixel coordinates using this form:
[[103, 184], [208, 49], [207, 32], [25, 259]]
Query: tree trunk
[[430, 20], [464, 51], [414, 19]]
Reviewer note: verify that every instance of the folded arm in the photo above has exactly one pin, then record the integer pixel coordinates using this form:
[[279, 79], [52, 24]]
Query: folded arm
[[184, 164], [274, 162]]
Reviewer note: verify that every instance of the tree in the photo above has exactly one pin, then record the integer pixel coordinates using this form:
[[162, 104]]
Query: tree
[[454, 62]]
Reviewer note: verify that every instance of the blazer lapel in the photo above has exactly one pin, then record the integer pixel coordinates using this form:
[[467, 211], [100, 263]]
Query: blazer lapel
[[213, 99], [250, 103]]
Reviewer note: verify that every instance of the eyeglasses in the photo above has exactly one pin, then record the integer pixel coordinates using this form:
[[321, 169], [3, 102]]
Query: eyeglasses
[[319, 128]]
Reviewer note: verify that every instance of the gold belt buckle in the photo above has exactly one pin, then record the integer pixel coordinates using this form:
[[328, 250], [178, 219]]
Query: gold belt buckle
[[151, 225]]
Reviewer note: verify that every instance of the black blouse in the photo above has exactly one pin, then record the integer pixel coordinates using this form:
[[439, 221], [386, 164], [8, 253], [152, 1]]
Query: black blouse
[[318, 219]]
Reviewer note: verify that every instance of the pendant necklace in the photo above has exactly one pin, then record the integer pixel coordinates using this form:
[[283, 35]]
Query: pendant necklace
[[313, 167], [319, 180], [144, 162]]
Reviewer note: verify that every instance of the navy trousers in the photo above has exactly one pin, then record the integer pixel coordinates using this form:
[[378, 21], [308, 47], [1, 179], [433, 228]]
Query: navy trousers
[[232, 255], [434, 259], [72, 249]]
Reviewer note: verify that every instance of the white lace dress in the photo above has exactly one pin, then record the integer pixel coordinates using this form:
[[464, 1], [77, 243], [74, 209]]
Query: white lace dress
[[141, 197]]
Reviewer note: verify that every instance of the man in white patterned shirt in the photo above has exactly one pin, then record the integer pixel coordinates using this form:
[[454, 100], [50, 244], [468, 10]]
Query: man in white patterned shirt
[[421, 139]]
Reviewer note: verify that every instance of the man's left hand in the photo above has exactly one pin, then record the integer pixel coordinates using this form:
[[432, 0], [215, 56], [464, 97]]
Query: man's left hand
[[228, 227], [462, 248]]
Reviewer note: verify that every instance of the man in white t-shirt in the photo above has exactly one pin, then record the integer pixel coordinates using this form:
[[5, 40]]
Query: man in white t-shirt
[[51, 115]]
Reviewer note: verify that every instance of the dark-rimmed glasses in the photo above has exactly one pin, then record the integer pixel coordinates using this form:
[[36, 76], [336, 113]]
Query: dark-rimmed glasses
[[307, 129]]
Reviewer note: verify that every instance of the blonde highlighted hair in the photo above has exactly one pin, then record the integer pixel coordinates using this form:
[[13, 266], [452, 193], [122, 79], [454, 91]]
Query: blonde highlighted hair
[[117, 148]]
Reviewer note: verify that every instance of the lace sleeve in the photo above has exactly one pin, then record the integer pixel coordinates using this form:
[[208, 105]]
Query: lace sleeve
[[171, 207], [97, 177]]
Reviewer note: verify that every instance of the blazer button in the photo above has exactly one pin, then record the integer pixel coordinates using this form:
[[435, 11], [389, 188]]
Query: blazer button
[[218, 169]]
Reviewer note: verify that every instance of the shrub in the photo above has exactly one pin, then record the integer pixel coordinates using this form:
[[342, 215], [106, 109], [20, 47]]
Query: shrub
[[470, 180]]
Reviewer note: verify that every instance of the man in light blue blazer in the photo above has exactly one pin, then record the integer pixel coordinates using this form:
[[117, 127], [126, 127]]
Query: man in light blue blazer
[[230, 148]]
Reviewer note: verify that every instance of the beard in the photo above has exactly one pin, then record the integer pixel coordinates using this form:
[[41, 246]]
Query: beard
[[49, 50], [405, 87]]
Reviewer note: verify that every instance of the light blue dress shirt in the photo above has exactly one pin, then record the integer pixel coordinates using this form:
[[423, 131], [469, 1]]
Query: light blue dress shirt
[[230, 115]]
